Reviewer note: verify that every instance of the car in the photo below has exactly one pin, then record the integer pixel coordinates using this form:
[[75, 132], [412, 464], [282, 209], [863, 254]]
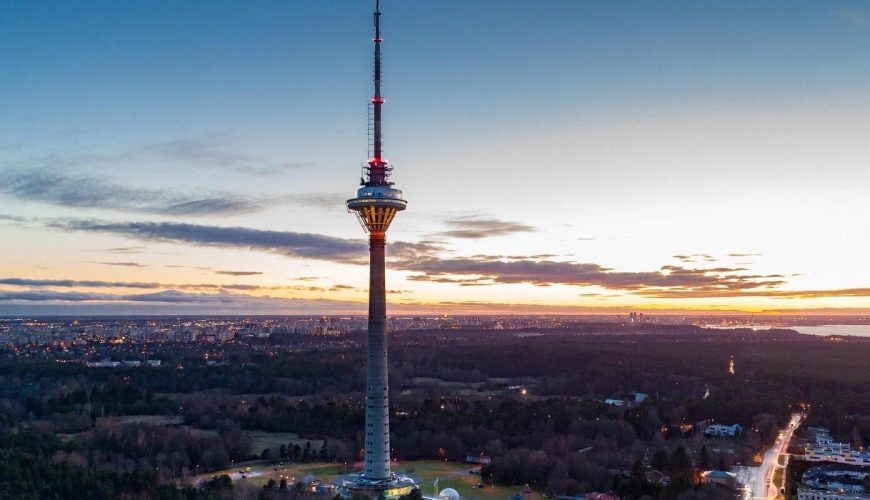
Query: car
[[478, 485]]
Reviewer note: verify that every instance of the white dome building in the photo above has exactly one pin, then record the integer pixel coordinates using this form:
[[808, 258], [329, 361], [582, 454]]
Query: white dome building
[[449, 494]]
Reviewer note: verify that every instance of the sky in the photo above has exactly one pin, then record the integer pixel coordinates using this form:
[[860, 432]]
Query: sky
[[557, 156]]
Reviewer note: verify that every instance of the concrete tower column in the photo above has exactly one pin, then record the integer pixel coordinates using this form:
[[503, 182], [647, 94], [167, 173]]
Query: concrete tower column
[[377, 456]]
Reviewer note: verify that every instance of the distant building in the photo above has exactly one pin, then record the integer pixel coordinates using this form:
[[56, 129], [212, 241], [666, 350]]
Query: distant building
[[821, 435], [718, 430], [810, 494], [824, 449], [834, 478]]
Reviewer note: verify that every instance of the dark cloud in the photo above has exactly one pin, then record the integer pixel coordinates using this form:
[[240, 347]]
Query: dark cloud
[[12, 218], [167, 296], [477, 271], [336, 288], [76, 283], [300, 245], [57, 188], [239, 273], [737, 292], [476, 226], [514, 257], [66, 283], [47, 295], [167, 302]]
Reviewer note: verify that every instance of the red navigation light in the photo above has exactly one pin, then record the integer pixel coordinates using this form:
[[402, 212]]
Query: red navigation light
[[378, 100]]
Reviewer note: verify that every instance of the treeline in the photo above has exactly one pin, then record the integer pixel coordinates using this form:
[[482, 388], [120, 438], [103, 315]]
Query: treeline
[[33, 467], [170, 451]]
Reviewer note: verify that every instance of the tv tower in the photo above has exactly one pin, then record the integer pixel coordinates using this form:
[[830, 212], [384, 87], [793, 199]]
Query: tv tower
[[375, 205]]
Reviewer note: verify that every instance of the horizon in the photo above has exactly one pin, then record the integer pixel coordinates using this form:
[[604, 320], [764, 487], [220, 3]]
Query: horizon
[[559, 159]]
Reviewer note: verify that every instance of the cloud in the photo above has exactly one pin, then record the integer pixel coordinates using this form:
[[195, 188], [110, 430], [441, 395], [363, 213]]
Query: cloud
[[65, 283], [695, 258], [480, 271], [322, 201], [121, 264], [166, 302], [737, 254], [47, 295], [212, 152], [514, 257], [56, 188], [123, 250], [270, 170], [476, 227], [337, 288], [12, 218], [290, 244], [239, 273], [68, 283], [780, 294]]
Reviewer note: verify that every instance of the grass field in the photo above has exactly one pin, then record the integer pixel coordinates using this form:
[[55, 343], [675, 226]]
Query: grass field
[[147, 419], [452, 475], [449, 474], [261, 440]]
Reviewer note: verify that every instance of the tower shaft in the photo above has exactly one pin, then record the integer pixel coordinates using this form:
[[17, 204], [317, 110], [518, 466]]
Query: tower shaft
[[377, 441]]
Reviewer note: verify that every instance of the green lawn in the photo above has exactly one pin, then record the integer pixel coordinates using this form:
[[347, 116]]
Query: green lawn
[[777, 481], [453, 475], [148, 419], [261, 440], [449, 474]]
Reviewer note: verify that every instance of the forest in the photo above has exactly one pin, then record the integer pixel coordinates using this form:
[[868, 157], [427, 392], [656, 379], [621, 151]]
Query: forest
[[534, 404]]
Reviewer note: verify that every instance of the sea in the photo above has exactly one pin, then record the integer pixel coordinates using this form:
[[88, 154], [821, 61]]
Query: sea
[[850, 330]]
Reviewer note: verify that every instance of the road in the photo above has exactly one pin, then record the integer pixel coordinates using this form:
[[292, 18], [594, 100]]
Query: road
[[759, 479]]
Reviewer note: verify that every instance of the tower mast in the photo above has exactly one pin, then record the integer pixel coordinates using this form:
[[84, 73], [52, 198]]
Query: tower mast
[[375, 205], [376, 163]]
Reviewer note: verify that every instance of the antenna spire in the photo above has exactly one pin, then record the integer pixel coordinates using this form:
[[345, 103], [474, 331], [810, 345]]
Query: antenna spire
[[377, 166]]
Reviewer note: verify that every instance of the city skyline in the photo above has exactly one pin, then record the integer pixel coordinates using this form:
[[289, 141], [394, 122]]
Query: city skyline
[[595, 157]]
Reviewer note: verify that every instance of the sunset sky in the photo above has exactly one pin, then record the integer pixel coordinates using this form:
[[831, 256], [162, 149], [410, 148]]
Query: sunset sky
[[557, 156]]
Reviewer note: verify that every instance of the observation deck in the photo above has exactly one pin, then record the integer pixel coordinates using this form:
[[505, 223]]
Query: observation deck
[[375, 206]]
